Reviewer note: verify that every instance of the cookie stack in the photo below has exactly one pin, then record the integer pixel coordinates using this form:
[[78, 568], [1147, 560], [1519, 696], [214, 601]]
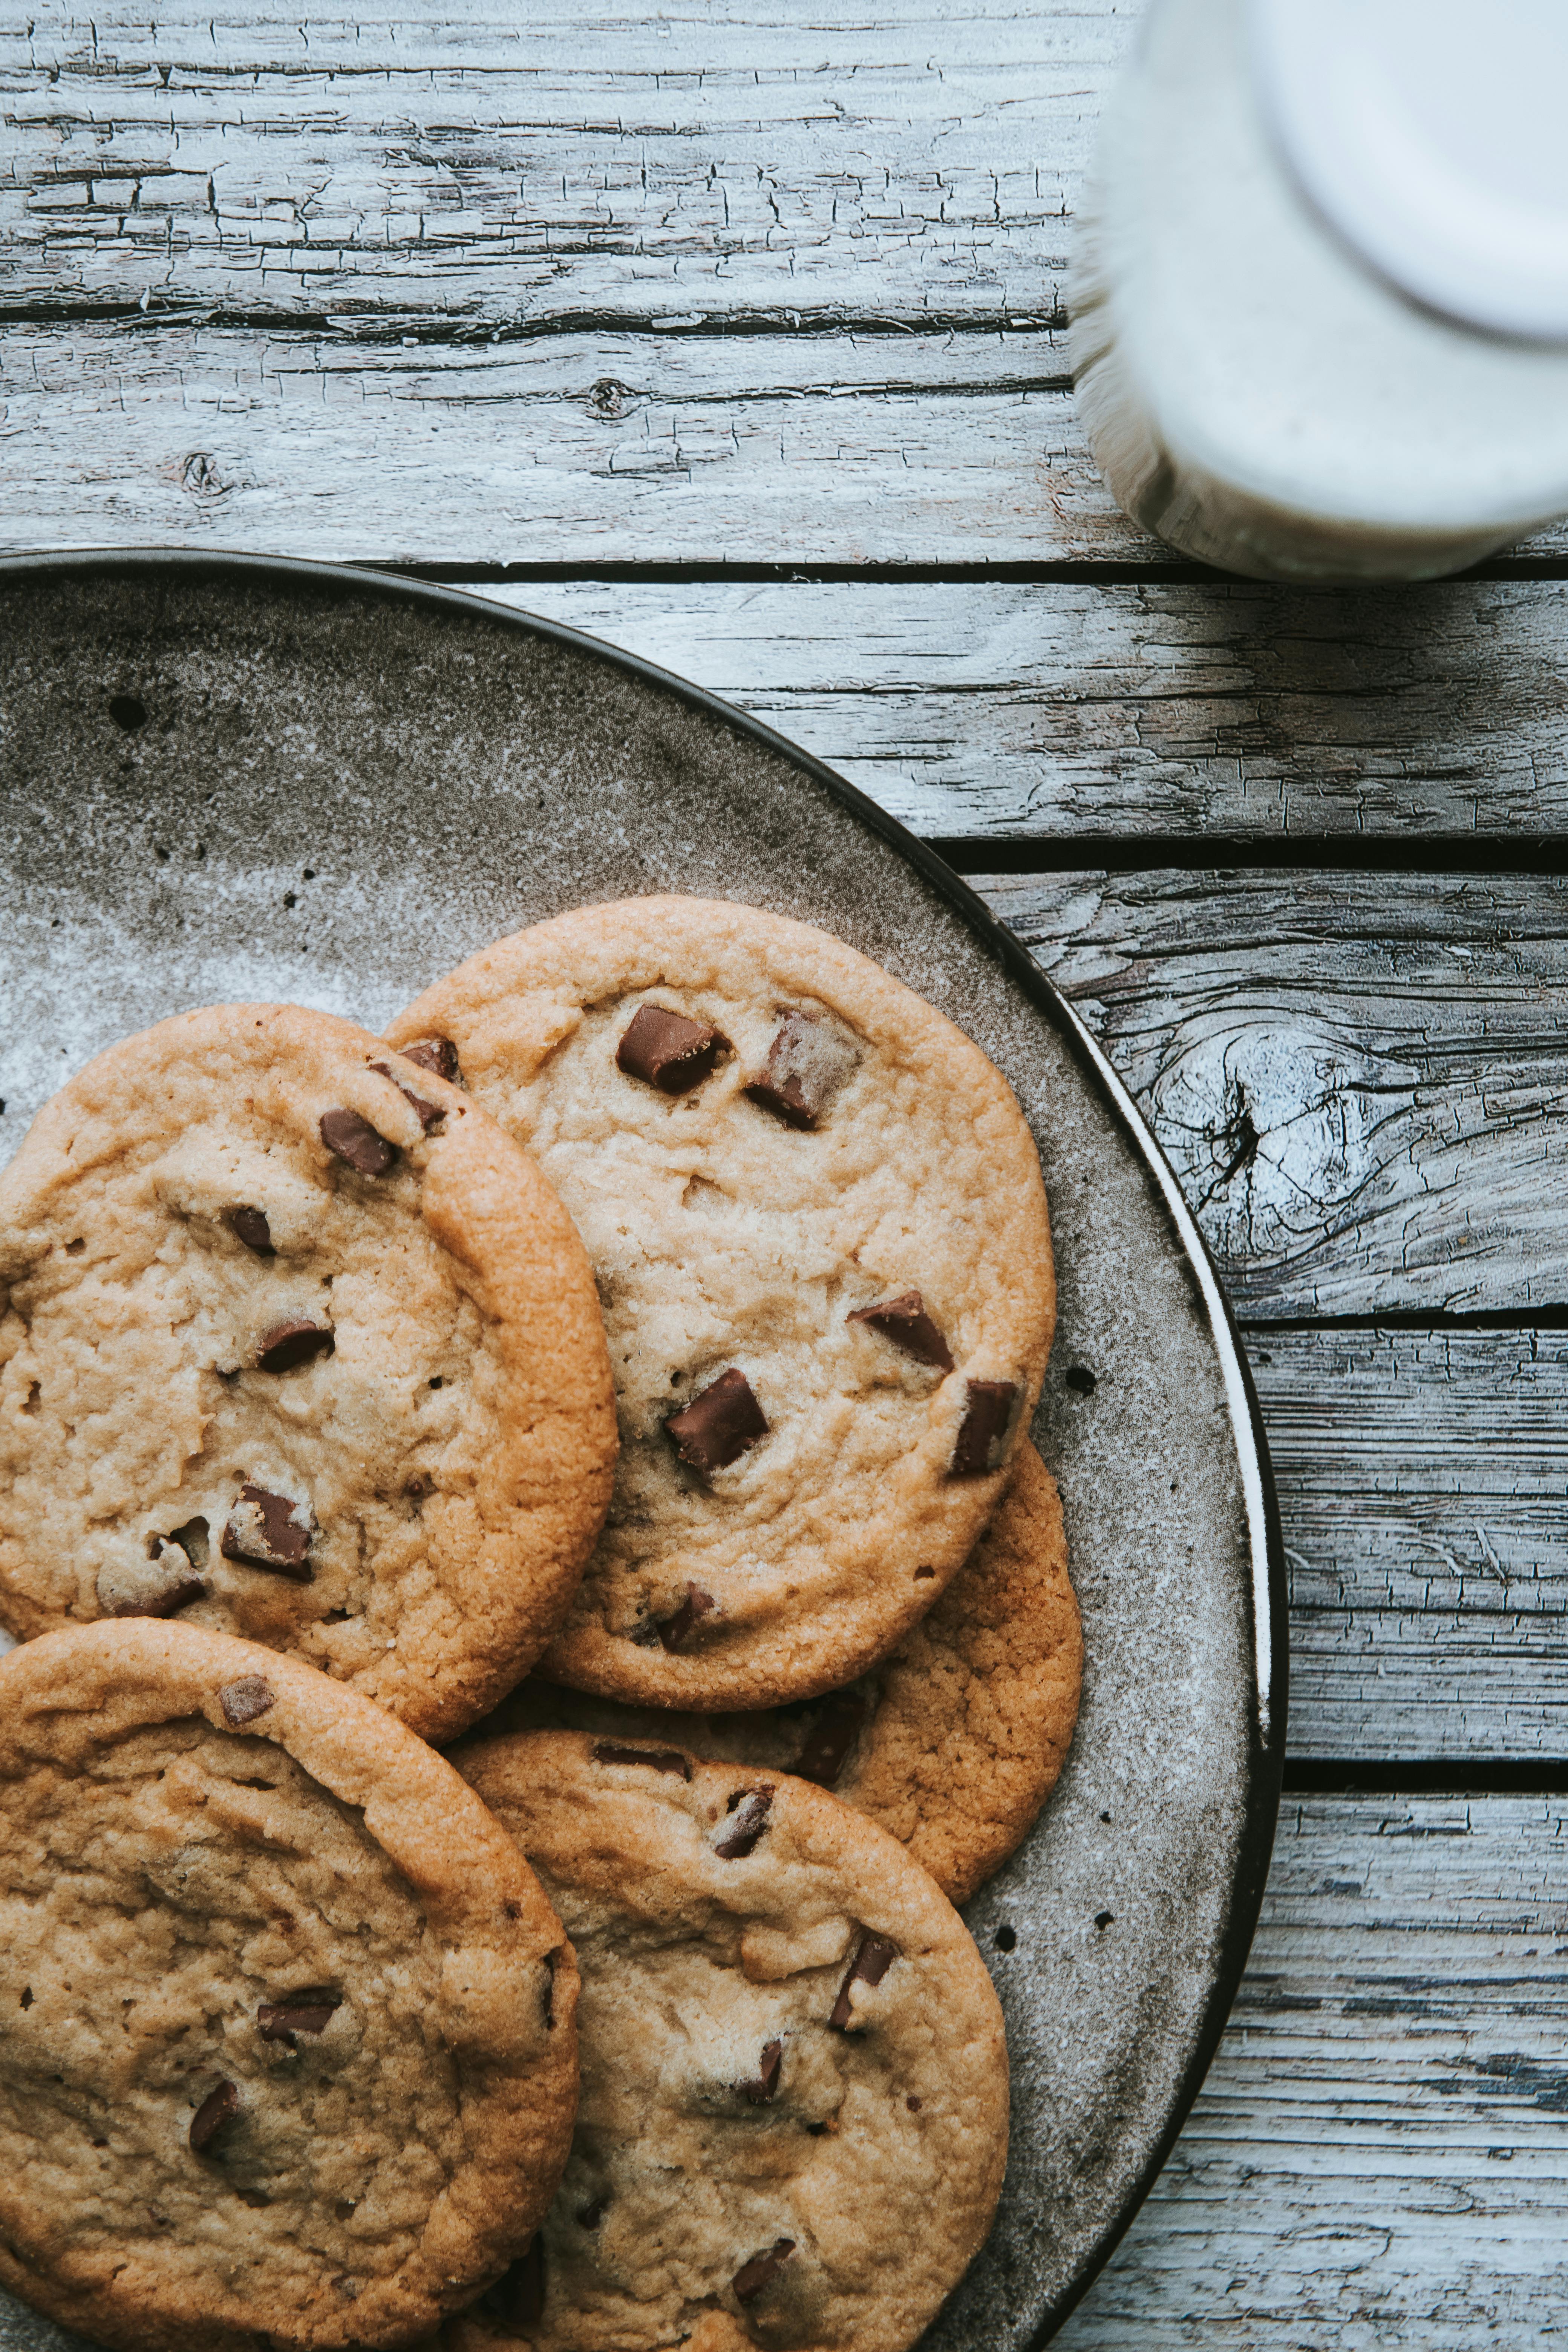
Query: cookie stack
[[627, 1366]]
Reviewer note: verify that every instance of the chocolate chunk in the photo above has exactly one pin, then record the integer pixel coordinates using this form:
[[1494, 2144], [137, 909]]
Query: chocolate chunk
[[270, 1531], [807, 1064], [746, 1824], [250, 1226], [675, 1631], [869, 1966], [165, 1581], [658, 1760], [219, 2108], [244, 1700], [429, 1114], [830, 1738], [983, 1433], [762, 2269], [354, 1140], [298, 2012], [291, 1343], [905, 1322], [668, 1051], [759, 2093], [436, 1054], [718, 1426], [588, 2217], [517, 2298]]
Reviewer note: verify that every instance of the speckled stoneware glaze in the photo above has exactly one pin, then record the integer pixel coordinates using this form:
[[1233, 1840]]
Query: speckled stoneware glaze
[[225, 780]]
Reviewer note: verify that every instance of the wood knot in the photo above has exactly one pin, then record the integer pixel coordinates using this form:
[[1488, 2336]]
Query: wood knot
[[1270, 1132], [203, 478]]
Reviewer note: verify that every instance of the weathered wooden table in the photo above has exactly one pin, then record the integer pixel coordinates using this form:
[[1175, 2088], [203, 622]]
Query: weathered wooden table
[[733, 334]]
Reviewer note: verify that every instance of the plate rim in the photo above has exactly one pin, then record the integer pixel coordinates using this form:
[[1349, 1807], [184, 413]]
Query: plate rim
[[1270, 1668]]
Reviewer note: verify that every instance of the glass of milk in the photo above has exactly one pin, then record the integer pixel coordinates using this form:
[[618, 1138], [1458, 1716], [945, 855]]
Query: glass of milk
[[1320, 307]]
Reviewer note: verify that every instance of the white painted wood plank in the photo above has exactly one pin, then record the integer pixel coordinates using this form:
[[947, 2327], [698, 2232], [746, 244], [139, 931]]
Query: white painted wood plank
[[1423, 1480], [583, 448], [1359, 1078], [720, 159], [983, 709], [478, 174], [586, 449], [1378, 2157]]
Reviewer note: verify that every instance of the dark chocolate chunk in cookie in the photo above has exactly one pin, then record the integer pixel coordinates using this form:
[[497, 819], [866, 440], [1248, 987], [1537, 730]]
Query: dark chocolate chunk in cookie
[[436, 1054], [905, 1322], [718, 1426], [250, 1226], [807, 1063], [668, 1050], [758, 2091], [831, 1737], [270, 1531], [218, 2108], [743, 1831], [762, 2269], [868, 1967], [983, 1433], [244, 1699], [293, 1342], [677, 1631], [299, 2012], [167, 1581], [354, 1140]]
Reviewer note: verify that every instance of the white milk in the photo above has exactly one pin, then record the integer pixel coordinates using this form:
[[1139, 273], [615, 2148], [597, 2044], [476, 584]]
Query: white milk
[[1253, 388]]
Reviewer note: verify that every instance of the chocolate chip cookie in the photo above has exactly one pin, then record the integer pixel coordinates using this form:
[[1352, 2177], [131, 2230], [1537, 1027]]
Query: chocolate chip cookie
[[815, 1216], [297, 1344], [794, 2121], [953, 1742], [288, 2041]]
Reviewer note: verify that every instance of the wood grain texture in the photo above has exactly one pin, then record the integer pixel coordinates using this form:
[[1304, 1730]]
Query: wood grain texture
[[984, 709], [583, 448], [576, 286], [1422, 1479], [1377, 2160], [731, 159], [1358, 1080], [590, 447]]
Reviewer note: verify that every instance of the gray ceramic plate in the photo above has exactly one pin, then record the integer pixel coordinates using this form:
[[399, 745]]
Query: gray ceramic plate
[[233, 779]]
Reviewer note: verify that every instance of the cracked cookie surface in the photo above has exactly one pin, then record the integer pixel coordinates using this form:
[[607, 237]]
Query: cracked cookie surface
[[287, 2025], [816, 1219], [793, 2119], [952, 1742], [299, 1349]]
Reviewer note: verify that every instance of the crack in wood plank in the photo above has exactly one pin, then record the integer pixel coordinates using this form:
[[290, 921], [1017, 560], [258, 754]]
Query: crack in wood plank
[[719, 157]]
